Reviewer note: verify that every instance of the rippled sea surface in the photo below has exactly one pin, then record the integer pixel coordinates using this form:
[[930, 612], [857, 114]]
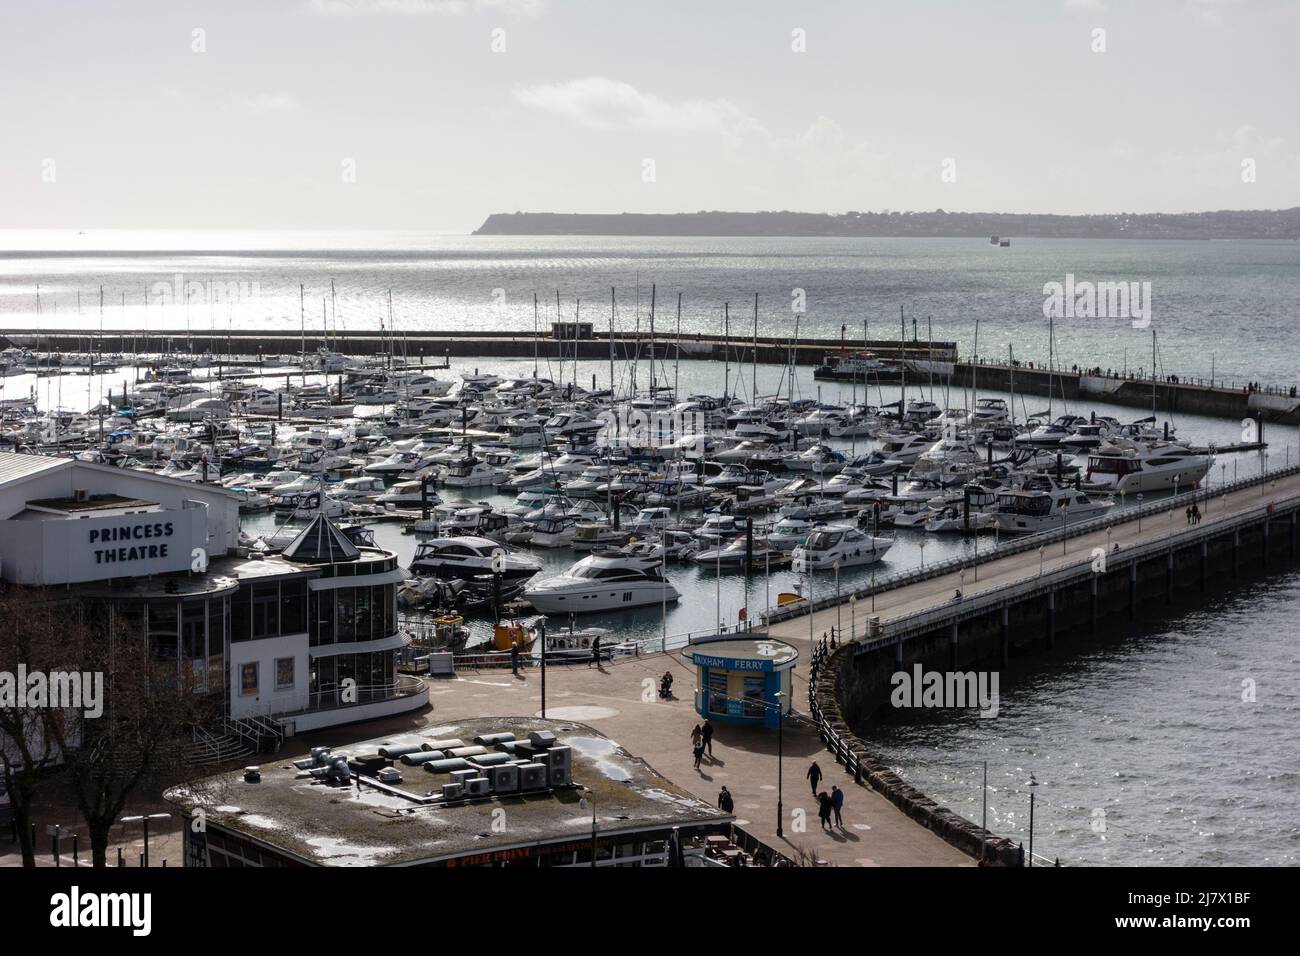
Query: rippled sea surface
[[1146, 746]]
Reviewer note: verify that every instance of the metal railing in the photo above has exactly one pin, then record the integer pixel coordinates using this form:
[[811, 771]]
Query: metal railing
[[1028, 542], [337, 698]]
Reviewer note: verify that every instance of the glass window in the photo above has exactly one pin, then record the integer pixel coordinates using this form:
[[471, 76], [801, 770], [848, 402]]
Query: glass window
[[266, 610], [293, 606], [194, 630], [362, 611], [390, 609], [241, 615], [325, 630], [717, 692], [345, 615], [217, 624], [163, 630]]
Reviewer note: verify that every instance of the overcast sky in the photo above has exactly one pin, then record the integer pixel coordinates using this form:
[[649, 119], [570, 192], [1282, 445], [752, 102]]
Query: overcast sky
[[138, 129]]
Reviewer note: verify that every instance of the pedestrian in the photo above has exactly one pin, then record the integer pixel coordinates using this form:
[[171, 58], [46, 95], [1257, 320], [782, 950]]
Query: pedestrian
[[699, 755], [514, 658], [707, 734], [725, 803], [837, 804], [1196, 514], [697, 737], [1188, 512], [824, 809], [595, 652], [814, 776]]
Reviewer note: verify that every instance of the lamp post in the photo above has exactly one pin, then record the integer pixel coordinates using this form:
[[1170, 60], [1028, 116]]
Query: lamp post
[[780, 764], [1139, 512], [145, 820], [921, 545], [1033, 783], [839, 623], [853, 621], [589, 801], [1065, 525], [1040, 560]]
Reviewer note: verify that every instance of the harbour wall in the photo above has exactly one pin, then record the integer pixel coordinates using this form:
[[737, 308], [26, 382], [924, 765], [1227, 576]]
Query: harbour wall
[[929, 363], [852, 686]]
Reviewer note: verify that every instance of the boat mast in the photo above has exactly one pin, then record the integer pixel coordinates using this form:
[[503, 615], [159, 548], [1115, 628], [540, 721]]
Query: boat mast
[[755, 372], [535, 334], [677, 356], [653, 393], [726, 359], [611, 345], [302, 324]]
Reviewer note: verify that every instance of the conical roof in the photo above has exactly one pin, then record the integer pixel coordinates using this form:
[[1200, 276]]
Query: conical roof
[[321, 542]]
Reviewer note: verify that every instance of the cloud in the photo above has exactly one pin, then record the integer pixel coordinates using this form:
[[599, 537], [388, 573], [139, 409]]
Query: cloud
[[1087, 6], [1209, 12], [272, 103], [599, 103], [421, 7]]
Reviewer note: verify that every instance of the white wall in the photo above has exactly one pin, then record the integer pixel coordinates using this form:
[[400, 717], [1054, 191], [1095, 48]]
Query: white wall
[[269, 701]]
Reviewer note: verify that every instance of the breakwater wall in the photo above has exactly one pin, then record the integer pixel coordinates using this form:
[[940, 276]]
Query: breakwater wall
[[1109, 591]]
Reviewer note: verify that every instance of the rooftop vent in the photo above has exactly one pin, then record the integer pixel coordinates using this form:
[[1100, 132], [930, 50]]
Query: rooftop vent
[[81, 494]]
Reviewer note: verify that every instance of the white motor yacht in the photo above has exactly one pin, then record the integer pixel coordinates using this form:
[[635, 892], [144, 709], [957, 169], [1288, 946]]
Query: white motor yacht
[[602, 582]]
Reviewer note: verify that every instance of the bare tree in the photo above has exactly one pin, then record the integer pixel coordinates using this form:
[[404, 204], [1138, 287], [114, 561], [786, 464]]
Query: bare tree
[[31, 643], [139, 741]]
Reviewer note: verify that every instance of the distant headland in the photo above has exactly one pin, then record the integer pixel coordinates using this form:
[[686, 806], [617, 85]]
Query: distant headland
[[1224, 224]]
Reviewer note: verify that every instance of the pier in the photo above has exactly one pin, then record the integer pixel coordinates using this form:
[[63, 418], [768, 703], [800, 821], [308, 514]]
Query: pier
[[978, 613]]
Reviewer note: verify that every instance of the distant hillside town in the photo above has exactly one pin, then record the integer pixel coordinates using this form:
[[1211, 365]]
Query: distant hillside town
[[1223, 224]]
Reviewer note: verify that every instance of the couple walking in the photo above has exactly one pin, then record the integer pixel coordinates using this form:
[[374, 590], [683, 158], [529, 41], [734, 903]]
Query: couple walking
[[702, 740], [828, 804]]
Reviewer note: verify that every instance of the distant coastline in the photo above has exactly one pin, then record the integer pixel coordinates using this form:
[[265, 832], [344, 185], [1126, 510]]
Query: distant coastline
[[1224, 224]]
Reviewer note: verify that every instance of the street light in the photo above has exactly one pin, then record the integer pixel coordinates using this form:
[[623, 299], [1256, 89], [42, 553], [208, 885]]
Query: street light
[[780, 764], [145, 820], [839, 624], [1032, 784], [588, 801]]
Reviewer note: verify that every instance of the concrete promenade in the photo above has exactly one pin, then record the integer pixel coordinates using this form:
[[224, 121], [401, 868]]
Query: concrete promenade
[[924, 595]]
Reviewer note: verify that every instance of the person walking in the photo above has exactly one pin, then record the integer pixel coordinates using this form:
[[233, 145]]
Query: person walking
[[699, 754], [814, 776], [725, 803], [514, 658], [824, 809], [707, 734], [595, 652], [697, 737], [837, 804]]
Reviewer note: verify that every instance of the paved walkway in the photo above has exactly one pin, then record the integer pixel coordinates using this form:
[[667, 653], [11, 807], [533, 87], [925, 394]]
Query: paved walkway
[[621, 701]]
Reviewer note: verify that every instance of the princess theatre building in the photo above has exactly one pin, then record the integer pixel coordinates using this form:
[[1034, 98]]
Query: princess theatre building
[[288, 642]]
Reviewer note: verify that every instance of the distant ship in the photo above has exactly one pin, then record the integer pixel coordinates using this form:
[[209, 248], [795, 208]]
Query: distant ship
[[993, 240], [1004, 243]]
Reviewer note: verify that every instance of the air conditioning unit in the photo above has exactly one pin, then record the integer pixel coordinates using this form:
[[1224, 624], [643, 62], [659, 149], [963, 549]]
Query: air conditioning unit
[[532, 776], [389, 775], [452, 791], [559, 777], [559, 757], [504, 779], [460, 776], [541, 739], [477, 787]]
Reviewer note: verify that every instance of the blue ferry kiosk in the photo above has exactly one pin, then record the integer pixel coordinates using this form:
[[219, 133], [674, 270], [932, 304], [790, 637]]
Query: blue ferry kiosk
[[737, 680]]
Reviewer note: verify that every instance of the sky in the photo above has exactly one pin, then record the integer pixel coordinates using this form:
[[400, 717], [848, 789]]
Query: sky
[[432, 114]]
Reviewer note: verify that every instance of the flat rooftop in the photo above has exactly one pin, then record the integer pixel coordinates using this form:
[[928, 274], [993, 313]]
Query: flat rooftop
[[46, 508], [336, 825]]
